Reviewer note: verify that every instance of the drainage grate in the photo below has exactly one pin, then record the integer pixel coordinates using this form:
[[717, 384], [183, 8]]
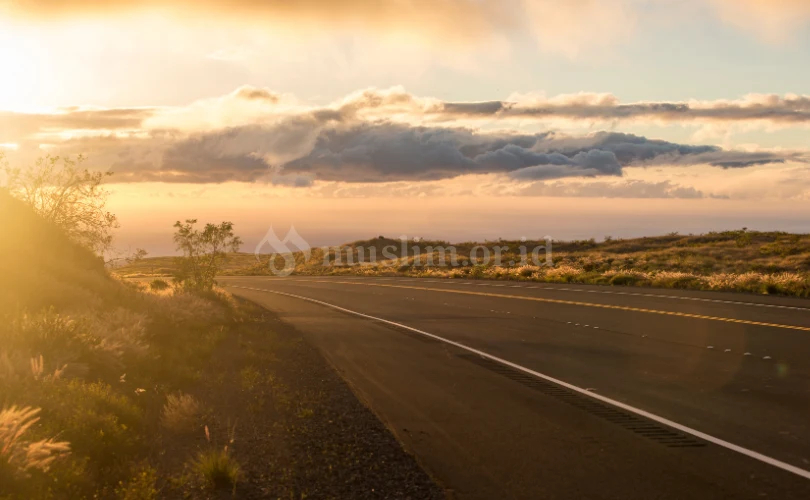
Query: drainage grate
[[639, 425]]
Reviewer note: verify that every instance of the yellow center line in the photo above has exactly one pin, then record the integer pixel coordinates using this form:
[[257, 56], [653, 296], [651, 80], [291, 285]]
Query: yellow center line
[[573, 303]]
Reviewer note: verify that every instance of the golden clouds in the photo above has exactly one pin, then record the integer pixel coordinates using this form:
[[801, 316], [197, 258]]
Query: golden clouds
[[438, 19]]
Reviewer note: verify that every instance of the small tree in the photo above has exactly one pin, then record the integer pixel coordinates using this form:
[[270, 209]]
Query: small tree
[[137, 256], [59, 190], [204, 252]]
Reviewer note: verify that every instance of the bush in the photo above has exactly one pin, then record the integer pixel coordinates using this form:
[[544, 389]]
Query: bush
[[204, 252], [217, 468], [181, 413], [625, 280], [159, 285], [140, 487], [99, 423]]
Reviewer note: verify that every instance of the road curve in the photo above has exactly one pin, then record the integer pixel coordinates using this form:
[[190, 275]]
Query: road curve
[[528, 390]]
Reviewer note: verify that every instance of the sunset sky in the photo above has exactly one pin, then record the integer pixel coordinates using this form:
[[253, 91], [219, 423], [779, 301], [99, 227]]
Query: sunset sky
[[452, 119]]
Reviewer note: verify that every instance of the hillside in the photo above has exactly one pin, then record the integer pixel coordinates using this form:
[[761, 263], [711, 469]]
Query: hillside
[[749, 261], [76, 348], [41, 266], [128, 390]]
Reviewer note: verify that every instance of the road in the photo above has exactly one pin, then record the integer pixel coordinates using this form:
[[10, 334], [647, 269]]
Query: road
[[530, 390]]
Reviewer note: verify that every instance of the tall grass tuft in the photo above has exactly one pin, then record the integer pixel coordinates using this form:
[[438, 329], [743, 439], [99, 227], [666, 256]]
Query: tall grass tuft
[[216, 466], [18, 456]]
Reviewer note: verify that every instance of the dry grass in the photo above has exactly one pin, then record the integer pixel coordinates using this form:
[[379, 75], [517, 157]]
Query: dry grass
[[91, 355], [749, 261], [216, 466], [742, 261], [19, 456], [181, 413]]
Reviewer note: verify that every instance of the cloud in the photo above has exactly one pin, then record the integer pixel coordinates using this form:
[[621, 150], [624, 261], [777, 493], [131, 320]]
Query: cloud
[[452, 20], [568, 28], [788, 109], [389, 152], [633, 188], [249, 105], [372, 136], [15, 126], [772, 20], [572, 26], [300, 152], [257, 94]]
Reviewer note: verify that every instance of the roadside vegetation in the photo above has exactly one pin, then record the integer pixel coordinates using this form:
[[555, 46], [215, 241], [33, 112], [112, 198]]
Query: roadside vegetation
[[90, 366], [203, 253], [775, 263], [93, 369], [164, 388]]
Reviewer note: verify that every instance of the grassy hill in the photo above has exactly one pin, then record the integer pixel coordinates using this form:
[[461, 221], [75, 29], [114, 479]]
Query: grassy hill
[[113, 389], [40, 265], [87, 364], [750, 261]]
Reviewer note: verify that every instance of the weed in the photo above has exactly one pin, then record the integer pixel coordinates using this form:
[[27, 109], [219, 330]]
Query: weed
[[216, 466]]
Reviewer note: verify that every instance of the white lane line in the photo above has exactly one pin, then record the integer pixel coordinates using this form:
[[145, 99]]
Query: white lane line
[[632, 409]]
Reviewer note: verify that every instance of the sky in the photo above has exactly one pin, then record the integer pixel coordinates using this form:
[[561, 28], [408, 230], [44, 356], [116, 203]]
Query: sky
[[448, 119]]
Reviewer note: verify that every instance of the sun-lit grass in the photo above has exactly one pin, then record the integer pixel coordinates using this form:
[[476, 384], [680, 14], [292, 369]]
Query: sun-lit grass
[[747, 261], [19, 455], [181, 413], [83, 359]]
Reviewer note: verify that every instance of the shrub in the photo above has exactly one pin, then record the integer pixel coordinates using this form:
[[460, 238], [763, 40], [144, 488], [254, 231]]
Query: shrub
[[100, 424], [140, 487], [625, 279], [60, 339], [159, 285], [204, 252], [181, 413], [217, 467], [67, 195]]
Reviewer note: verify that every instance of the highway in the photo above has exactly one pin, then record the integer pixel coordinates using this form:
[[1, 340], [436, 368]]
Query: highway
[[508, 389]]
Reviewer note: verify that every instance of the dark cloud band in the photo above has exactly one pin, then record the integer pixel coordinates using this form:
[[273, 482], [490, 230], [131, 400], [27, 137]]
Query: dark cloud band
[[384, 152]]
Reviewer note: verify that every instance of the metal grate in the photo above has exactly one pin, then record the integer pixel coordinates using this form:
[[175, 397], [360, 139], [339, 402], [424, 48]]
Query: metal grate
[[639, 425]]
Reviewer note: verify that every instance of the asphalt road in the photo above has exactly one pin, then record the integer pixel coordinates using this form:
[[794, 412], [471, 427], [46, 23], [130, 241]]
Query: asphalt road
[[526, 390]]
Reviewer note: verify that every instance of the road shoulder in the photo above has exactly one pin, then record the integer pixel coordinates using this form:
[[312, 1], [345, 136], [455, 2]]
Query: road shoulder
[[298, 430]]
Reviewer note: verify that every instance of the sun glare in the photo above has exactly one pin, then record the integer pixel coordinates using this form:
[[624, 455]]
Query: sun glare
[[18, 64]]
